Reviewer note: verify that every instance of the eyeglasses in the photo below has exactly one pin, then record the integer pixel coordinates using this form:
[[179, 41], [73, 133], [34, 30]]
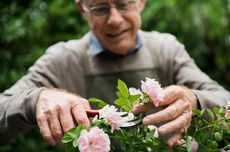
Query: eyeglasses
[[103, 11]]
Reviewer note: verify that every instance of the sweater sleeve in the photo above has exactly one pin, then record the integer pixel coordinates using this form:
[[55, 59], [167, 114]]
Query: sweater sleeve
[[178, 68], [185, 72], [208, 91], [18, 104]]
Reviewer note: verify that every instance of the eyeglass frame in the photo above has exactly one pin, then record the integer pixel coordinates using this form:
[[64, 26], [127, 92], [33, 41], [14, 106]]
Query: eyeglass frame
[[84, 9]]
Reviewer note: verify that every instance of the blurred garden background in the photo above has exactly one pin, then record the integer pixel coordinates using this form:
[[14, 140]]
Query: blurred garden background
[[27, 28]]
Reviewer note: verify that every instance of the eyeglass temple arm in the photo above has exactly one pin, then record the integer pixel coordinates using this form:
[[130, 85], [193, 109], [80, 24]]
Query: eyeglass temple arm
[[78, 3]]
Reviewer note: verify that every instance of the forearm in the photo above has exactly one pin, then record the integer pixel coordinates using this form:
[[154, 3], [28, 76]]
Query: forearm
[[210, 99], [17, 112]]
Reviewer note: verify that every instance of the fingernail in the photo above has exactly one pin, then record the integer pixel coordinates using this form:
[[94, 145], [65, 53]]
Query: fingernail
[[161, 131], [134, 109], [146, 121]]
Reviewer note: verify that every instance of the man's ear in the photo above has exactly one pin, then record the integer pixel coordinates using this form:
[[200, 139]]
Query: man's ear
[[142, 5]]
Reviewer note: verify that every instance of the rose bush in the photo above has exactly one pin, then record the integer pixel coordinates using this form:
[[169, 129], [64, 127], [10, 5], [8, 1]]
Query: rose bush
[[205, 134]]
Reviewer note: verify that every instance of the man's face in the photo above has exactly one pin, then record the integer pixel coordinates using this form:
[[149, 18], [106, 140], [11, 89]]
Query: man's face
[[118, 30]]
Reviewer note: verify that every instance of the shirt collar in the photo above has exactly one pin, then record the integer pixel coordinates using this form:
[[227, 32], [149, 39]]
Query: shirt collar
[[96, 48]]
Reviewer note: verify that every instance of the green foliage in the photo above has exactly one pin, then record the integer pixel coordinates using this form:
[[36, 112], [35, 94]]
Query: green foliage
[[212, 134], [203, 26], [28, 27], [125, 100], [139, 139]]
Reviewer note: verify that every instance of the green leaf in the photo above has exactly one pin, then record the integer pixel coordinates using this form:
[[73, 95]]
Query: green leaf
[[188, 144], [101, 103], [156, 142], [134, 98], [197, 112], [205, 121], [210, 114], [214, 144], [228, 146], [200, 123], [124, 104], [222, 111], [66, 139], [69, 136], [216, 110], [202, 112], [72, 134], [121, 102], [218, 136], [123, 88], [127, 108], [75, 142], [119, 95], [146, 99]]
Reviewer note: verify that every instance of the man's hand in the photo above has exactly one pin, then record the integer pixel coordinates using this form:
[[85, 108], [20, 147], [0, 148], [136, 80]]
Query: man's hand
[[57, 111], [176, 117]]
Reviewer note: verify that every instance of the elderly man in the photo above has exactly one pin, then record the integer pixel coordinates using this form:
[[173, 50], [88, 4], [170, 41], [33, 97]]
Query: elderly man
[[53, 93]]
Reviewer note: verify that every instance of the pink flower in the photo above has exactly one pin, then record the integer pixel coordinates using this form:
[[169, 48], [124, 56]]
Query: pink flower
[[112, 117], [134, 91], [93, 141], [228, 113], [153, 89]]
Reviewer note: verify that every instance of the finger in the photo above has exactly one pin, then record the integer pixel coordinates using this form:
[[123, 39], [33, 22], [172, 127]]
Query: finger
[[80, 115], [178, 124], [83, 102], [55, 127], [45, 130], [142, 107], [66, 119], [169, 113], [174, 138], [172, 93]]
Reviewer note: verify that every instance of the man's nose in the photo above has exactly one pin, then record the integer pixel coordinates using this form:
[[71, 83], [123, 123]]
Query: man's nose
[[115, 17]]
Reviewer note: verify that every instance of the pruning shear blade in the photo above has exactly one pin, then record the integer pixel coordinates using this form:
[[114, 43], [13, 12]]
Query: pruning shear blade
[[127, 118]]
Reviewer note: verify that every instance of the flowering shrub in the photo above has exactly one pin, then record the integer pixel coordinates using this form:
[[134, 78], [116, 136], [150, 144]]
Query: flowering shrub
[[111, 116], [96, 140], [210, 134]]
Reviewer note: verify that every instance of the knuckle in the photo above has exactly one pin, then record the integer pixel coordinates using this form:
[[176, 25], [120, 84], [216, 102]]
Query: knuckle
[[47, 112], [183, 122], [173, 113], [59, 109], [178, 90], [58, 133], [186, 105], [189, 116], [55, 130], [83, 100], [41, 118]]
